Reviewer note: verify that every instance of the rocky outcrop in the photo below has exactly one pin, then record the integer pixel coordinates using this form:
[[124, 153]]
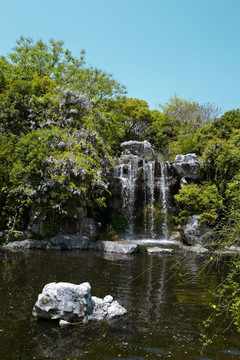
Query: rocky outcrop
[[73, 303], [143, 188], [140, 149], [192, 233], [187, 166], [75, 242]]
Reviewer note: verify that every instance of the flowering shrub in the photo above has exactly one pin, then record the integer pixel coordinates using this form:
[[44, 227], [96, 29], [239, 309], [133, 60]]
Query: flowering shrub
[[54, 166]]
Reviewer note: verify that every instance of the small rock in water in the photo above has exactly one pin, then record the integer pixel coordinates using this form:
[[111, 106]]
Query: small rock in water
[[197, 249], [64, 323], [156, 249]]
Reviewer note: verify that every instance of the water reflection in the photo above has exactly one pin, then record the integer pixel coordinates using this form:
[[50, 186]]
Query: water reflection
[[164, 313]]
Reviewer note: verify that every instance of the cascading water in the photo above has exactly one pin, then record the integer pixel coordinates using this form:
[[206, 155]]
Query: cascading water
[[142, 184], [149, 170], [164, 196], [128, 176]]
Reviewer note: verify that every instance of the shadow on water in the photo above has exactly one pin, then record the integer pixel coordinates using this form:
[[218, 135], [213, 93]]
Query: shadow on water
[[164, 316]]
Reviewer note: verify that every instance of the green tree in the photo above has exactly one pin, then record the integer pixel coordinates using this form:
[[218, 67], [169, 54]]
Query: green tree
[[30, 59], [134, 117], [204, 200]]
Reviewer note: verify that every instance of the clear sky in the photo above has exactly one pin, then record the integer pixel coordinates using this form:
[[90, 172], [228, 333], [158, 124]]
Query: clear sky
[[157, 48]]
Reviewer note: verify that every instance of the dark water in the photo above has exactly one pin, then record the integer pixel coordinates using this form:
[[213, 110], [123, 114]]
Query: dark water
[[164, 317]]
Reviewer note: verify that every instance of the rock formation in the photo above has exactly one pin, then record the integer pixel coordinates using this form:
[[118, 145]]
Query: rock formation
[[70, 303], [143, 188]]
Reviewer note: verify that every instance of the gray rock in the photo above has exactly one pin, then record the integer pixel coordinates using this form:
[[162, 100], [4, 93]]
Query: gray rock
[[156, 249], [141, 149], [232, 250], [199, 249], [73, 303], [70, 242], [106, 308], [192, 233], [27, 245], [175, 236], [90, 228], [115, 309], [65, 301], [37, 217], [187, 166], [235, 249], [118, 246]]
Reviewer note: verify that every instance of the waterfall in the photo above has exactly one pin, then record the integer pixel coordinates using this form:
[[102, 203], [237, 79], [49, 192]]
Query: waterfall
[[142, 181], [164, 196], [128, 176], [149, 170]]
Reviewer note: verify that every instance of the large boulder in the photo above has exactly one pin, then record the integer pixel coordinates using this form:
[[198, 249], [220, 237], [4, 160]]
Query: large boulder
[[187, 166], [68, 302], [192, 233], [70, 242], [64, 301], [118, 246], [141, 149]]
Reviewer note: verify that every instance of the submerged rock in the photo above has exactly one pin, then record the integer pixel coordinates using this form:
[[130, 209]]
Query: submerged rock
[[70, 303]]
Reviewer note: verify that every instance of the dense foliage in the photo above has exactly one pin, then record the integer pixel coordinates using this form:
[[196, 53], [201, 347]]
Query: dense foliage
[[62, 123]]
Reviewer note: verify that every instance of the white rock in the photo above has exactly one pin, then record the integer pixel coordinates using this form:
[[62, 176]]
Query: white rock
[[118, 246], [73, 303], [197, 249], [64, 323], [108, 299], [115, 309], [64, 301]]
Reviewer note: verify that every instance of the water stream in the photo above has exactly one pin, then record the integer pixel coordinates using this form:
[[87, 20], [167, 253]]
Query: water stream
[[148, 170], [129, 173], [128, 176], [164, 195]]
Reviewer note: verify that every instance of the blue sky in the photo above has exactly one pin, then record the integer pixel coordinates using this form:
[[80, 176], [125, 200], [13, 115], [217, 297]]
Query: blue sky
[[157, 48]]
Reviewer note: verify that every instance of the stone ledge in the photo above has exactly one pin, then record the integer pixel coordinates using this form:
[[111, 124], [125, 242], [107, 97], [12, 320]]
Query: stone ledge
[[28, 244], [118, 246], [75, 242]]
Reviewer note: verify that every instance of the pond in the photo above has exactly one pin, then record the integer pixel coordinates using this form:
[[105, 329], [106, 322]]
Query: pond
[[164, 318]]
